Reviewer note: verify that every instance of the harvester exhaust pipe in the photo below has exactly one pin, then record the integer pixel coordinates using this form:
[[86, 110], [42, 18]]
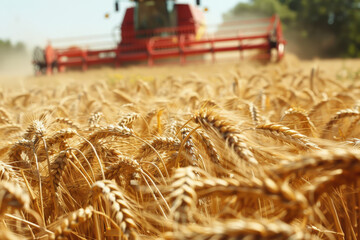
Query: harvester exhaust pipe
[[117, 7]]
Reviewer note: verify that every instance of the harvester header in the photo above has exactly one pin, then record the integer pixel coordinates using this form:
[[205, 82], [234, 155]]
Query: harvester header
[[164, 29]]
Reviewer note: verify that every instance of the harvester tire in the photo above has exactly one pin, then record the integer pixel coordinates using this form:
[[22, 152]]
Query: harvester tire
[[39, 61]]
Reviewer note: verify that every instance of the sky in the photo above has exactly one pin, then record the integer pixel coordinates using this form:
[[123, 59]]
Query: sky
[[34, 22]]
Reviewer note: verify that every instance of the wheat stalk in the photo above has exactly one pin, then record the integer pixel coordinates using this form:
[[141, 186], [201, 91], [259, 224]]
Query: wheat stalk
[[183, 156]]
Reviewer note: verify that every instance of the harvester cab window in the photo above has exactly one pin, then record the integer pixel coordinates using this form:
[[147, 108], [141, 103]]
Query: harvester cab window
[[170, 6], [152, 14]]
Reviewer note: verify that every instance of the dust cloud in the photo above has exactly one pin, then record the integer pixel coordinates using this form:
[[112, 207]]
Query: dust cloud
[[16, 65]]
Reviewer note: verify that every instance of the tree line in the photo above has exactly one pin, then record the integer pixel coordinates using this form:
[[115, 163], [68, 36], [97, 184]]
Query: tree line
[[324, 28], [7, 48]]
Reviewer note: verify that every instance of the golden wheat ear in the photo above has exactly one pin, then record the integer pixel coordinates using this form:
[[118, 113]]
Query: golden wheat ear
[[210, 120], [346, 113], [95, 118], [240, 229], [183, 196], [306, 126], [128, 119], [347, 160], [8, 173], [119, 207], [58, 167], [68, 122], [122, 171], [69, 223], [12, 197], [209, 147], [287, 135]]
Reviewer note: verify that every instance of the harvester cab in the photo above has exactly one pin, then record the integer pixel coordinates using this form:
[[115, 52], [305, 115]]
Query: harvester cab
[[154, 14], [164, 29]]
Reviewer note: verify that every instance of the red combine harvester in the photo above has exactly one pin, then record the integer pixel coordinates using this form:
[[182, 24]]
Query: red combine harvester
[[163, 29]]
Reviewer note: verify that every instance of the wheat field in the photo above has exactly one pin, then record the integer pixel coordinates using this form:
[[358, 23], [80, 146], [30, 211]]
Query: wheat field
[[203, 152]]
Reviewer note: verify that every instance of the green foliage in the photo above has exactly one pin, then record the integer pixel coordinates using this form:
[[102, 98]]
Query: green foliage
[[7, 46], [9, 49], [326, 28], [264, 8]]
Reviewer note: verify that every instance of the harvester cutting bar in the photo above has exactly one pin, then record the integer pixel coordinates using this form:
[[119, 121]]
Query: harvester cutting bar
[[180, 42]]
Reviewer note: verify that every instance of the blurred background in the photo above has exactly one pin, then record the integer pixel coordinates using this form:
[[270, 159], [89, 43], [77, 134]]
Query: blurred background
[[313, 28]]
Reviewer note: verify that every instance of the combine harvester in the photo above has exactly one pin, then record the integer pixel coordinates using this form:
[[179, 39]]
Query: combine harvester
[[163, 29]]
